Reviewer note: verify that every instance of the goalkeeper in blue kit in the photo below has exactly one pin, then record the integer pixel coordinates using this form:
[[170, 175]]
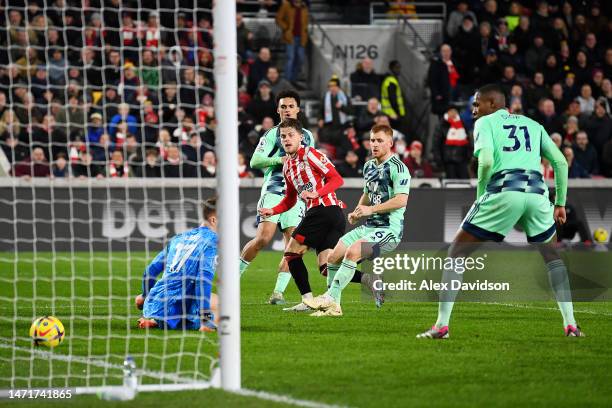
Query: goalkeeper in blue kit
[[182, 298]]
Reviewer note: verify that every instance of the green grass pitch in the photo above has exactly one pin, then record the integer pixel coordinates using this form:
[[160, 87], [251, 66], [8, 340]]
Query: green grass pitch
[[498, 355]]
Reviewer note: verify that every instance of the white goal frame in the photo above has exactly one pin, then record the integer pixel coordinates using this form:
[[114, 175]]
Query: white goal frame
[[228, 374]]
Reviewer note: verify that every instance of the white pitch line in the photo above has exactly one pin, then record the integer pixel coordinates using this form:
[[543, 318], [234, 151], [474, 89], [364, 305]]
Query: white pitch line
[[92, 361], [285, 399], [520, 306]]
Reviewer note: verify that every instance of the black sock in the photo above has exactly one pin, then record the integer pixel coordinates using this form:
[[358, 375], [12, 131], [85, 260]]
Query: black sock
[[357, 277], [300, 274]]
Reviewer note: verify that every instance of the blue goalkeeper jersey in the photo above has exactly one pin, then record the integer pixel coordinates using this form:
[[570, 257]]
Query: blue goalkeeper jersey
[[183, 291]]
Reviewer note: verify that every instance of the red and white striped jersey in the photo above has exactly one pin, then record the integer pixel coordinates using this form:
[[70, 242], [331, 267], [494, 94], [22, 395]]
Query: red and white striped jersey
[[311, 170]]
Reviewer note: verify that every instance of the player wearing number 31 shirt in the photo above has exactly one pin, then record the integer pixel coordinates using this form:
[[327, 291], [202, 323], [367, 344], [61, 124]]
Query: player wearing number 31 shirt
[[310, 175]]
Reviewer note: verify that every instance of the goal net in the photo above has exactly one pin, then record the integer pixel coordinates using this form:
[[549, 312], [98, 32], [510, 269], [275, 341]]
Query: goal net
[[107, 135]]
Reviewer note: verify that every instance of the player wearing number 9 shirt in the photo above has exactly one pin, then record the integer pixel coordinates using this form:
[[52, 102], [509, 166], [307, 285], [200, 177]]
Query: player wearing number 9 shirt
[[182, 298], [382, 205]]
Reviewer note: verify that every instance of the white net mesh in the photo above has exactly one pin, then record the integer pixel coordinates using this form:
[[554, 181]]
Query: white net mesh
[[114, 102]]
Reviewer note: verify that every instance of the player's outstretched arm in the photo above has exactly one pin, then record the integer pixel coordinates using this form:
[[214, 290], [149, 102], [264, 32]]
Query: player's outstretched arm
[[262, 156], [552, 153], [151, 273]]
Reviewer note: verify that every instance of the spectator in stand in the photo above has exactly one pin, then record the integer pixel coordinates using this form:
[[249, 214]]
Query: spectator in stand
[[514, 58], [552, 72], [508, 80], [259, 69], [514, 15], [365, 82], [451, 146], [173, 164], [491, 71], [118, 167], [277, 83], [34, 166], [541, 21], [575, 169], [129, 83], [365, 121], [123, 115], [149, 70], [557, 140], [455, 19], [151, 167], [536, 92], [522, 35], [209, 165], [418, 166], [570, 89], [243, 167], [188, 91], [46, 135], [60, 168], [487, 42], [392, 100], [336, 108], [169, 104], [249, 144], [582, 68], [351, 166], [244, 38], [263, 104], [490, 13], [10, 126], [502, 35], [517, 99], [547, 116], [467, 56], [558, 98], [193, 152], [443, 79], [599, 127], [597, 83], [102, 149], [535, 56], [292, 18], [14, 150], [586, 100], [95, 128], [571, 129], [382, 119], [154, 37], [592, 50], [585, 154]]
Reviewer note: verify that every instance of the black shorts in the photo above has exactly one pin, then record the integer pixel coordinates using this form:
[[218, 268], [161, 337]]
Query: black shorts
[[321, 227]]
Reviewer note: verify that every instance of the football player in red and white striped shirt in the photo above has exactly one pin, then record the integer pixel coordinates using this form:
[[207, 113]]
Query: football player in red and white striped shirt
[[310, 175]]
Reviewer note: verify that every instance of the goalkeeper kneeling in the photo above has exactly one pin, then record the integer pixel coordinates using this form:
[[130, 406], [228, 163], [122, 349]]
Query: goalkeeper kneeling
[[182, 298]]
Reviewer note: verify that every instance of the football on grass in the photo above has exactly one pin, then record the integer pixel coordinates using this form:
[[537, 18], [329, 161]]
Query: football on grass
[[47, 331]]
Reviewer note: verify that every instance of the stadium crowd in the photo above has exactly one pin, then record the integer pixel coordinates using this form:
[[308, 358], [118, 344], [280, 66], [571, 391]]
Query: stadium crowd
[[105, 88], [554, 61]]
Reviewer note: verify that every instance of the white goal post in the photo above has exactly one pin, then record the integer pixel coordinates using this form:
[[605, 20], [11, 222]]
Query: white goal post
[[67, 283]]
